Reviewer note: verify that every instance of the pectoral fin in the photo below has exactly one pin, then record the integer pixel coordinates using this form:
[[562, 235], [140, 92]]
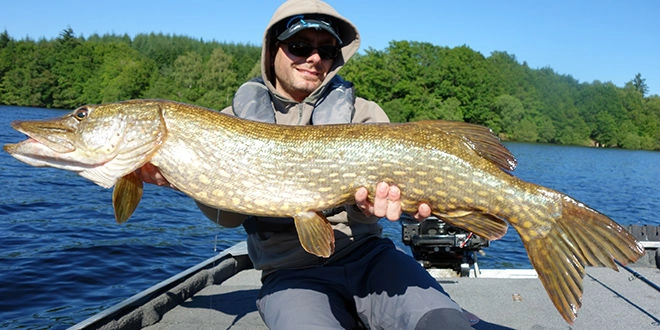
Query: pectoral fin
[[126, 196], [315, 233]]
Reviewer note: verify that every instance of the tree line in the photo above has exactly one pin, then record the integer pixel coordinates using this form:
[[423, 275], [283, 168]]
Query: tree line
[[410, 80]]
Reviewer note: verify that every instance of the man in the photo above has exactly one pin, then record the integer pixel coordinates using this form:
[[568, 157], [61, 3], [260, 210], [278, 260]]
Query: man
[[367, 281]]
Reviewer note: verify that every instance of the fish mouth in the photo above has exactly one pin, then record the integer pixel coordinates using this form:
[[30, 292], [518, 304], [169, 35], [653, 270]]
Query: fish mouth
[[35, 153], [52, 134]]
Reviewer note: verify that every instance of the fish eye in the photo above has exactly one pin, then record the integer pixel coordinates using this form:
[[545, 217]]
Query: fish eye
[[81, 113]]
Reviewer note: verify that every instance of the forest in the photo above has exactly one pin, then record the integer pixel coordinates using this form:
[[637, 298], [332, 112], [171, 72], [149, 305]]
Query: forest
[[410, 80]]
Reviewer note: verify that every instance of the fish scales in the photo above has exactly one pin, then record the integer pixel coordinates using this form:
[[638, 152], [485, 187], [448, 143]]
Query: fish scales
[[460, 170], [316, 169], [312, 172]]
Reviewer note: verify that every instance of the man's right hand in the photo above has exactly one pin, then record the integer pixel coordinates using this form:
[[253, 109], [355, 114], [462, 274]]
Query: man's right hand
[[387, 203]]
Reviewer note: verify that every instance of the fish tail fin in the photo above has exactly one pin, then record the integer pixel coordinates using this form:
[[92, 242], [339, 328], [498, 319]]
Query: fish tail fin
[[580, 237]]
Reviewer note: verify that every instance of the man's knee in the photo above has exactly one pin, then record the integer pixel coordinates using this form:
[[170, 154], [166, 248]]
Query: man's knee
[[305, 309], [443, 318]]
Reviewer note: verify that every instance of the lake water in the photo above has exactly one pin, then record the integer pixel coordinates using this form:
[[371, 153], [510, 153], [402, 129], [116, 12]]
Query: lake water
[[63, 258]]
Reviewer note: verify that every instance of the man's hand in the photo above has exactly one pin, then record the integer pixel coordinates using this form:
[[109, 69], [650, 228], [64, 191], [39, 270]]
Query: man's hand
[[151, 174], [387, 203]]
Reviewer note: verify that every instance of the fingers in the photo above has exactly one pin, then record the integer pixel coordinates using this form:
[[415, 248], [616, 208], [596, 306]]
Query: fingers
[[362, 201], [379, 206], [381, 202], [387, 203], [423, 212], [393, 211]]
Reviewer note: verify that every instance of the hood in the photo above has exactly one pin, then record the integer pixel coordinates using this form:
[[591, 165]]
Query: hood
[[348, 32]]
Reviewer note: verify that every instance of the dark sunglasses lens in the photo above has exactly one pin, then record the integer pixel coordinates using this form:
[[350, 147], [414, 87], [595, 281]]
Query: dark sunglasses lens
[[300, 50], [328, 52], [303, 50]]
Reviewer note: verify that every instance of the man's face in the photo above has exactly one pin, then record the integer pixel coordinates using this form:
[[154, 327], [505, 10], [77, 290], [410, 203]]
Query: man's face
[[298, 76]]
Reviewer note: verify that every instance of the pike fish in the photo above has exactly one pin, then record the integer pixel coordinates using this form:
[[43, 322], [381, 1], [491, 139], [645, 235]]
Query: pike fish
[[461, 170]]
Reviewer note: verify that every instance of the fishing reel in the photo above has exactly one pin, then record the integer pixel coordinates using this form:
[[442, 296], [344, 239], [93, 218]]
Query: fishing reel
[[436, 244]]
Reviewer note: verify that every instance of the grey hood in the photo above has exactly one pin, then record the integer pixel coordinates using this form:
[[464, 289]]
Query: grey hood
[[348, 32]]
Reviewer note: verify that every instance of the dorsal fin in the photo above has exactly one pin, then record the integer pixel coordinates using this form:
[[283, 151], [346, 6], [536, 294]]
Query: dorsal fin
[[480, 138]]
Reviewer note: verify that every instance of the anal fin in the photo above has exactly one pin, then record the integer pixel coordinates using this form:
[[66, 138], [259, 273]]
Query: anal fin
[[315, 233], [126, 196], [484, 225]]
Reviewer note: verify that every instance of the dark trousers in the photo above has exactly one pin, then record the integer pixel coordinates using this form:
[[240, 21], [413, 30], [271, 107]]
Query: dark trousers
[[376, 286]]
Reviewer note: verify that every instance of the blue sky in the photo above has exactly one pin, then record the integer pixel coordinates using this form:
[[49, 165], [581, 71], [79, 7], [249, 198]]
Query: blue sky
[[603, 40]]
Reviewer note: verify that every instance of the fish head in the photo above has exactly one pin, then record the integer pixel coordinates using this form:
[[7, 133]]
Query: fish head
[[100, 142]]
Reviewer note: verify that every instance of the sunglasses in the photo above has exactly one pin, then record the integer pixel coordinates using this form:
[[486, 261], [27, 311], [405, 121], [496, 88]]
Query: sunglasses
[[303, 49]]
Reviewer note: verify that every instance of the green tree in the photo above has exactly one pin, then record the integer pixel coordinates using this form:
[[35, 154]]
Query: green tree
[[509, 112], [74, 64], [25, 77], [604, 132], [546, 129], [4, 39], [516, 123], [640, 84], [124, 74], [218, 80], [371, 75], [186, 75]]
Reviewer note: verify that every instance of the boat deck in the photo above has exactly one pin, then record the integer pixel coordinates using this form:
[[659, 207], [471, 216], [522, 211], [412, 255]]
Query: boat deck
[[611, 301], [212, 297]]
